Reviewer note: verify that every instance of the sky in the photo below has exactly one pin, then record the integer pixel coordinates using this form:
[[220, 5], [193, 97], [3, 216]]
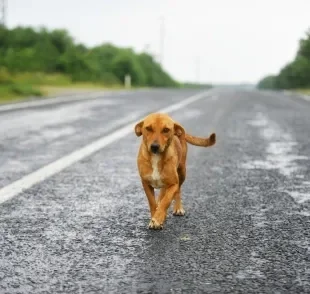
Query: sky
[[207, 41]]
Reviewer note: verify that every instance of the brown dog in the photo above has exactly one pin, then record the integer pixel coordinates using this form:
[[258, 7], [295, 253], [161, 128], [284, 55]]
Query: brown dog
[[162, 163]]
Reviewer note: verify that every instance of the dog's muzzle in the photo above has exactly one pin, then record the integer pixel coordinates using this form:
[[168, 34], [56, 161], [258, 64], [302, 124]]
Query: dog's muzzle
[[155, 148]]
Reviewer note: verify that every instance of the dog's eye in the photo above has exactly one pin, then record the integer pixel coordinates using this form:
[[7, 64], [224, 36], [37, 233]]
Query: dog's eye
[[166, 130], [149, 129]]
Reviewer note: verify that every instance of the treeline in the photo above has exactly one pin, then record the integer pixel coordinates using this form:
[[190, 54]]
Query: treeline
[[294, 75], [190, 85], [24, 49]]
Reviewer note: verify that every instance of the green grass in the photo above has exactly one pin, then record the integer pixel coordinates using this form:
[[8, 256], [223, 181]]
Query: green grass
[[22, 85], [25, 90], [13, 91], [19, 86], [6, 93], [304, 91], [41, 79]]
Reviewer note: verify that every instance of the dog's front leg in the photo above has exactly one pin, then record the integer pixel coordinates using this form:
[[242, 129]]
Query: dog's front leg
[[149, 191], [161, 196], [159, 217]]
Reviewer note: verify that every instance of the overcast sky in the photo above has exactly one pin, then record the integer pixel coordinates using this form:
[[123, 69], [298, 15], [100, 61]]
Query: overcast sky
[[234, 40]]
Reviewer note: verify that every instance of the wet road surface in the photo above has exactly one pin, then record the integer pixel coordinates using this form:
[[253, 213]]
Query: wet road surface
[[84, 230]]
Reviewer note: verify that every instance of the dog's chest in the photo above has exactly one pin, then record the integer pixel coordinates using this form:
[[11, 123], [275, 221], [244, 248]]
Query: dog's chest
[[155, 178]]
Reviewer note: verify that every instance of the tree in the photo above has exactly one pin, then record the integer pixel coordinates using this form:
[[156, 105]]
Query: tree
[[295, 74], [24, 49], [126, 63], [304, 46], [268, 82]]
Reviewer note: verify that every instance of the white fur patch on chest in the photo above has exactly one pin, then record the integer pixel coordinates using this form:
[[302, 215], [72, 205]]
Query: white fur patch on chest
[[155, 173], [155, 178]]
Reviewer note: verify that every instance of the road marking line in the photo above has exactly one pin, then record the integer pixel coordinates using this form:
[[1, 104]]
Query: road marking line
[[55, 167]]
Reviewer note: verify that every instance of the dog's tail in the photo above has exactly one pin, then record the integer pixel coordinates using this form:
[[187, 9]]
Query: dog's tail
[[198, 141]]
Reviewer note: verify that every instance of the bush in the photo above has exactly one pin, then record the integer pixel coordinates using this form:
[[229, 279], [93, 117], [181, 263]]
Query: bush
[[268, 82], [5, 77], [25, 90], [127, 63]]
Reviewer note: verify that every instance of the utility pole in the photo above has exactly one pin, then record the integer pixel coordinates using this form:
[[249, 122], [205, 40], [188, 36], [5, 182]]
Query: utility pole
[[197, 69], [146, 48], [3, 7], [162, 39]]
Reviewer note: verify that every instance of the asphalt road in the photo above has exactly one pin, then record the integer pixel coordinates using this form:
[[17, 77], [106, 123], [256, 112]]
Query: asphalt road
[[84, 229]]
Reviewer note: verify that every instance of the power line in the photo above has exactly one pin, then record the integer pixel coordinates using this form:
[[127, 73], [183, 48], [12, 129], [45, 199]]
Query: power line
[[162, 39]]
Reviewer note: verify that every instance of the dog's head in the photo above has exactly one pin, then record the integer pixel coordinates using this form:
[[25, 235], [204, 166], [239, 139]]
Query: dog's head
[[158, 130]]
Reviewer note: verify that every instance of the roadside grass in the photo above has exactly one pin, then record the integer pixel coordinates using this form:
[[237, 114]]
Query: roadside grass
[[303, 91], [41, 79], [14, 91], [14, 87], [77, 87], [19, 86]]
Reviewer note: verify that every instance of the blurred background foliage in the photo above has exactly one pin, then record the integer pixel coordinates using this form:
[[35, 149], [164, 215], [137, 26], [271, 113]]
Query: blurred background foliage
[[32, 58], [295, 74]]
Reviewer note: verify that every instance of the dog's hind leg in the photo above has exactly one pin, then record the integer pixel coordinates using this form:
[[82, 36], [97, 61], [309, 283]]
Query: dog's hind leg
[[178, 209]]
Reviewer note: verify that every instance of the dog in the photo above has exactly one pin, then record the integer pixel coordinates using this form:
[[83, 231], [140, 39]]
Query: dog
[[161, 163]]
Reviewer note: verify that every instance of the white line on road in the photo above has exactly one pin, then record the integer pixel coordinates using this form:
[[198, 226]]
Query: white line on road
[[282, 155], [55, 167], [280, 151]]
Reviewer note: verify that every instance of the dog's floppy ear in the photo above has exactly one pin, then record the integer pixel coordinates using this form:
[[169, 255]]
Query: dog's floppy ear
[[178, 130], [138, 128]]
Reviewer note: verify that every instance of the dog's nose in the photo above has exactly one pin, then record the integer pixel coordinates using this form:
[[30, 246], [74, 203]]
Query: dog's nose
[[155, 147]]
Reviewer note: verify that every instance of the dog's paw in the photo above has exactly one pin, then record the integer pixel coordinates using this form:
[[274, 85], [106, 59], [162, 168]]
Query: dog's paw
[[179, 212], [155, 225]]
